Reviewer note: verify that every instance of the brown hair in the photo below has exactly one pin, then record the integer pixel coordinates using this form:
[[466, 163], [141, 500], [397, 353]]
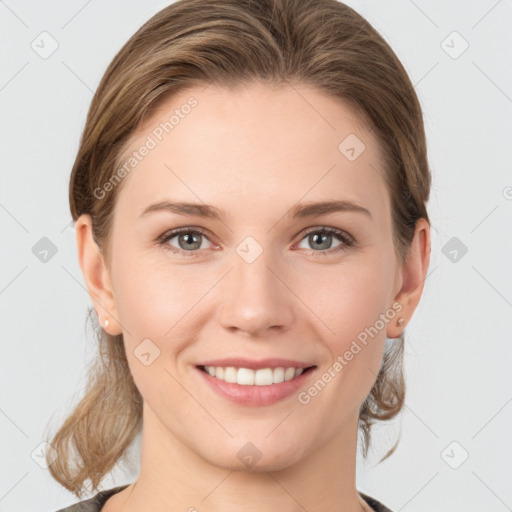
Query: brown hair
[[321, 43]]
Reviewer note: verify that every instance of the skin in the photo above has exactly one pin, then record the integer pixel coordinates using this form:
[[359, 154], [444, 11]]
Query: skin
[[253, 152]]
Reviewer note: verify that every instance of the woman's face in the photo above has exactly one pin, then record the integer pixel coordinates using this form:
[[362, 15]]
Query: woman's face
[[260, 286]]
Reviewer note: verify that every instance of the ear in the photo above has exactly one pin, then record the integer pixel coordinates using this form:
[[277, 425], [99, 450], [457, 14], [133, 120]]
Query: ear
[[412, 276], [96, 275]]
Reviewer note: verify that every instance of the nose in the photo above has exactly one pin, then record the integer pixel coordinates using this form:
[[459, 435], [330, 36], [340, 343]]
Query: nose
[[255, 297]]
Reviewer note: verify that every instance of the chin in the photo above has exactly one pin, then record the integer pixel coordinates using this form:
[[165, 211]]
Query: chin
[[256, 457]]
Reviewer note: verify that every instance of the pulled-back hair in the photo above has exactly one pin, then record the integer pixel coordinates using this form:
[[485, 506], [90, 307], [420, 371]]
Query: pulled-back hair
[[321, 43]]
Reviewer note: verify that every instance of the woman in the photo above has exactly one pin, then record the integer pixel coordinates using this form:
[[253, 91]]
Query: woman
[[249, 199]]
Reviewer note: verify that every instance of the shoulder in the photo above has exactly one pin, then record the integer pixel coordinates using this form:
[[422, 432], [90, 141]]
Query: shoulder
[[374, 504], [95, 503]]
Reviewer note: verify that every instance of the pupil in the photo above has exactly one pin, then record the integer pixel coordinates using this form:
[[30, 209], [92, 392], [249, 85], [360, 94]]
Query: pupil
[[189, 239], [321, 239]]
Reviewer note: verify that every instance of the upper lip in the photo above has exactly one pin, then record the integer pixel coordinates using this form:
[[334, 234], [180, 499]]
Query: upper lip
[[240, 362]]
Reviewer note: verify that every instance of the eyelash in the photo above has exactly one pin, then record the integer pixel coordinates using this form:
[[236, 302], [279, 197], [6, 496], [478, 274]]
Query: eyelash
[[347, 240]]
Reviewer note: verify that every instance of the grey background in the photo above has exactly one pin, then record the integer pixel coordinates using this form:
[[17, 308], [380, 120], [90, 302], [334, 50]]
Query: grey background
[[459, 349]]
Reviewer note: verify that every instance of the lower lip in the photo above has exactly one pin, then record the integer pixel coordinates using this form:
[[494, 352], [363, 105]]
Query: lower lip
[[255, 396]]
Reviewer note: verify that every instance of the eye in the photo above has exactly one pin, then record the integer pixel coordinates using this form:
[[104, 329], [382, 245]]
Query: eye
[[322, 238], [189, 241]]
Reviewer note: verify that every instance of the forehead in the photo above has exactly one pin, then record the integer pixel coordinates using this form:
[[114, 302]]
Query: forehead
[[212, 144]]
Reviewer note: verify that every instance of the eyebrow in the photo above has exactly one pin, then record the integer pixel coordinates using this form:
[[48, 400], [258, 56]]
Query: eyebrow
[[298, 211]]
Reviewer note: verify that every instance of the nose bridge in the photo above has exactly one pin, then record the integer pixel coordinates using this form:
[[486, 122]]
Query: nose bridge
[[252, 263], [255, 299]]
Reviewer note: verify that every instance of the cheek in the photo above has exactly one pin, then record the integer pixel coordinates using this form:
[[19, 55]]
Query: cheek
[[156, 309], [153, 295], [371, 313], [352, 302], [348, 298]]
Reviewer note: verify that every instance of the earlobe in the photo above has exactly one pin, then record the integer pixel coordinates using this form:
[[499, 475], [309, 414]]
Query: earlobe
[[413, 275], [96, 275]]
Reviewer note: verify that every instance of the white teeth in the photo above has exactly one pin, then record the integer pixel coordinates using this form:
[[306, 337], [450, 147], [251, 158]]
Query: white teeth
[[289, 373], [263, 377], [229, 374], [278, 375], [245, 377], [249, 377]]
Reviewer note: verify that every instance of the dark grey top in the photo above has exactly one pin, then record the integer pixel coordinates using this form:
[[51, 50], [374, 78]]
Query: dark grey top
[[95, 503]]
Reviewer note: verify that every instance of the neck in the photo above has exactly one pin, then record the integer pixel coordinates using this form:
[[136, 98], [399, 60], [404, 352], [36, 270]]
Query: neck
[[174, 477]]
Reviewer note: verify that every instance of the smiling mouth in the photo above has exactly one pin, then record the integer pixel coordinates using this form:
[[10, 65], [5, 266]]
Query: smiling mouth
[[249, 377]]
